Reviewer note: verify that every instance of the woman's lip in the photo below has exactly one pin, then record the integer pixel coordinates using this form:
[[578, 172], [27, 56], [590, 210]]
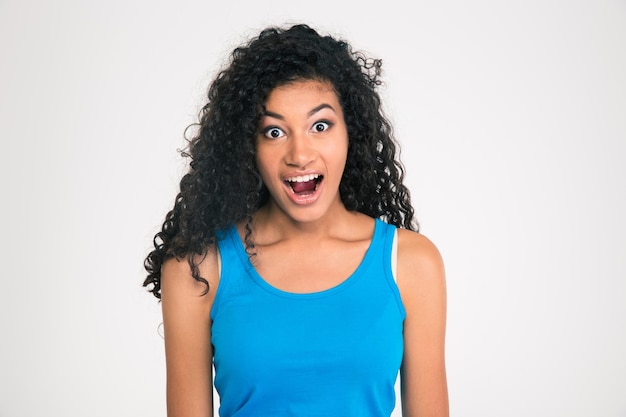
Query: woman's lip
[[304, 198], [300, 174]]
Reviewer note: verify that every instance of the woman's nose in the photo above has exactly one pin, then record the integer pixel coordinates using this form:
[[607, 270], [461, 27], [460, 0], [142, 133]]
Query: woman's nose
[[301, 151]]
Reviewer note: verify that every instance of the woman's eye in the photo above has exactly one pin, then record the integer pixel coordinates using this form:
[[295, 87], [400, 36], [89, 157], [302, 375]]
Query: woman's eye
[[273, 132], [321, 126]]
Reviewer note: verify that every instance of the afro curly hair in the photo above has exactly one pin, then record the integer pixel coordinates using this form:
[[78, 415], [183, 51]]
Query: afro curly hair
[[223, 185]]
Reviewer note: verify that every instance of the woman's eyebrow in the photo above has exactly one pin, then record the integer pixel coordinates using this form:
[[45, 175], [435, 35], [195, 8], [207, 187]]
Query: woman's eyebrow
[[272, 114], [320, 107], [309, 114]]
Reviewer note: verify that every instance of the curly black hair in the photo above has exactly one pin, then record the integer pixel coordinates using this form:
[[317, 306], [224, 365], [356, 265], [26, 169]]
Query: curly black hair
[[223, 185]]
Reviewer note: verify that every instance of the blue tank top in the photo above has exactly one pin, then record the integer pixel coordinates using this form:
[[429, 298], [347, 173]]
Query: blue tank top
[[330, 353]]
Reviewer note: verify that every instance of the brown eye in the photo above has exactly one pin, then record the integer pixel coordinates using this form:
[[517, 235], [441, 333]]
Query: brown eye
[[273, 133], [321, 126]]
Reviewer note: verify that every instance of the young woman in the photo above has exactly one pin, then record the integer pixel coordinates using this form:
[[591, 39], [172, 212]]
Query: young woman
[[291, 262]]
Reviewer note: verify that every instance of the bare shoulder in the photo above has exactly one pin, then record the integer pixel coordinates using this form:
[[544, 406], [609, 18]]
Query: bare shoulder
[[419, 260], [179, 286], [186, 306], [421, 281], [420, 272]]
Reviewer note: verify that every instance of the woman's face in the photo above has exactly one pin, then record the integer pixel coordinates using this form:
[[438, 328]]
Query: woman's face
[[302, 145]]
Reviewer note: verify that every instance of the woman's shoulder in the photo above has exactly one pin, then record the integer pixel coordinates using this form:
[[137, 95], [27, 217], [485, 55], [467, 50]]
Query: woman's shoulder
[[421, 281], [417, 244], [419, 260], [179, 266], [178, 284]]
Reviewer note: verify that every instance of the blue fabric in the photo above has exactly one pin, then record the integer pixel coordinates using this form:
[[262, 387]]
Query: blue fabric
[[331, 353]]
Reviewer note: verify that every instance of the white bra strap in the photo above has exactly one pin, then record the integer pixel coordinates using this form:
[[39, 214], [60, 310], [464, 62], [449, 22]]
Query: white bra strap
[[219, 261], [394, 255]]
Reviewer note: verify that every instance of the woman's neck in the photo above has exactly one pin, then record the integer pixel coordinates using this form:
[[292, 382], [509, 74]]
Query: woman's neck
[[270, 223]]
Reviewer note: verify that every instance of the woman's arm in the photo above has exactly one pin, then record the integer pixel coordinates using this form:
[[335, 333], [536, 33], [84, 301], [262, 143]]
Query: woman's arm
[[421, 280], [187, 332]]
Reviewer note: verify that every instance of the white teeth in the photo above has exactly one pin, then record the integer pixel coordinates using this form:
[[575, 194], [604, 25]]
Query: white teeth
[[303, 178]]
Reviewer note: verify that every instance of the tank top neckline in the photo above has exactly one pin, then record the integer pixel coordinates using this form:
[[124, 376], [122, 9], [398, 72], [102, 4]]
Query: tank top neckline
[[371, 252]]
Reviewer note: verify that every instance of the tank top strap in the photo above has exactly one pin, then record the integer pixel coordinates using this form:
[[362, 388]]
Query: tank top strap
[[228, 252], [385, 241], [382, 245]]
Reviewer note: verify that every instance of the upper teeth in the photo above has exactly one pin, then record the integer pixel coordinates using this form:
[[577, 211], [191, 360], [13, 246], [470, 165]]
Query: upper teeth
[[303, 178]]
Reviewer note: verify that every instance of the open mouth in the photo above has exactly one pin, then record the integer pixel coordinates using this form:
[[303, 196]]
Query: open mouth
[[304, 184]]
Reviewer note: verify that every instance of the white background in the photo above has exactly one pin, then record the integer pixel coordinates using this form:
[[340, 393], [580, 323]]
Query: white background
[[511, 116]]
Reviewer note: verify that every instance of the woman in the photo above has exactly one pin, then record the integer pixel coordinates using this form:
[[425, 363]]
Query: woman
[[291, 260]]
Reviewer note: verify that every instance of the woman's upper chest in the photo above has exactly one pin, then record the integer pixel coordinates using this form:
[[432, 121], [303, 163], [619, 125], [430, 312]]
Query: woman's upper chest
[[306, 267]]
